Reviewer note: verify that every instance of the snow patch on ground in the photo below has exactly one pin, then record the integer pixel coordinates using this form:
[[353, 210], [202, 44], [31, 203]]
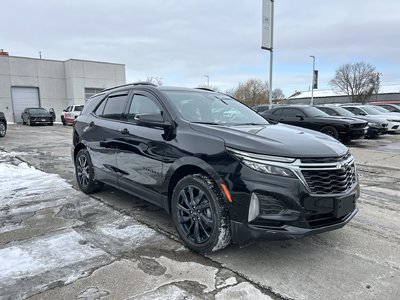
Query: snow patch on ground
[[227, 282], [243, 291], [44, 253], [135, 233]]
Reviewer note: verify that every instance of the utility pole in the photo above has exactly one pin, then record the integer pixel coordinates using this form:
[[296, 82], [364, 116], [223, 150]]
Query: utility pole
[[268, 38], [208, 80]]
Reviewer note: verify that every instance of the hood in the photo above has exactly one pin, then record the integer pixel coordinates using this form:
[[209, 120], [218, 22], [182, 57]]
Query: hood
[[372, 119], [279, 140], [351, 120]]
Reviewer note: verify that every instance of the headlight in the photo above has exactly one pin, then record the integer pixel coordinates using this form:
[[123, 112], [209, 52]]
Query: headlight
[[374, 125], [394, 120], [264, 163], [268, 169]]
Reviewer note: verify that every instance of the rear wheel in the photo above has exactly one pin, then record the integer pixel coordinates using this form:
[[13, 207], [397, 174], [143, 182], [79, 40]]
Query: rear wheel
[[331, 131], [85, 174], [200, 214], [3, 129]]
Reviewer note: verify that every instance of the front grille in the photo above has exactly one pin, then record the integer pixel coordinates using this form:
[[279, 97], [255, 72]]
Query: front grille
[[359, 125], [325, 160], [330, 181]]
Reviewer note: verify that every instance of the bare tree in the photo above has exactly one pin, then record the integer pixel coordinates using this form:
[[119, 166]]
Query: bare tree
[[155, 80], [277, 94], [359, 80], [252, 92]]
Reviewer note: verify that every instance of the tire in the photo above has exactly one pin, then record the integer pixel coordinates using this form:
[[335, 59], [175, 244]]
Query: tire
[[331, 131], [51, 124], [29, 122], [205, 228], [85, 174], [63, 120], [3, 129], [23, 122]]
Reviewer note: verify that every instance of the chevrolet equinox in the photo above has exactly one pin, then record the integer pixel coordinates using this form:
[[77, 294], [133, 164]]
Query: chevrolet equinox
[[222, 171]]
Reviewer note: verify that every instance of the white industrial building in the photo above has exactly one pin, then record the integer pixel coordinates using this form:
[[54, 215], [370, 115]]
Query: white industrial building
[[30, 82]]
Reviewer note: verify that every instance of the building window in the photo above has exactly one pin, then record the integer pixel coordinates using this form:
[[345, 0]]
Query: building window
[[89, 92]]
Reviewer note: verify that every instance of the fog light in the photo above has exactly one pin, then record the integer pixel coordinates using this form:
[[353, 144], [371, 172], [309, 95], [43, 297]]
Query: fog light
[[254, 208]]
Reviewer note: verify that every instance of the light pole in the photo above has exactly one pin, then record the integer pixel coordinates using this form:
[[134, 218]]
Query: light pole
[[208, 80], [312, 80]]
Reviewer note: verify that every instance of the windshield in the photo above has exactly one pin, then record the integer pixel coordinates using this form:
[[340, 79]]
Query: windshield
[[213, 108], [37, 111], [381, 109], [371, 110], [315, 112], [343, 112]]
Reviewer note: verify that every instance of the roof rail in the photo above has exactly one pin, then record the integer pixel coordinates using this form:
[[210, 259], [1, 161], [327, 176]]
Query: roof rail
[[205, 89], [130, 84]]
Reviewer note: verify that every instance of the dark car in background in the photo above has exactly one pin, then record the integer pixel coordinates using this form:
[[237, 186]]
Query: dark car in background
[[340, 128], [221, 170], [3, 125], [36, 115], [376, 125]]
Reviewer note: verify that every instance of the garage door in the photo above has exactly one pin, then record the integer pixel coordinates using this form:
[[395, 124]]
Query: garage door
[[22, 98]]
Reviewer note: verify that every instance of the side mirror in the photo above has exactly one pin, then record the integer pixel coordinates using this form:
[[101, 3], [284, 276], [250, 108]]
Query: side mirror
[[155, 120], [300, 117]]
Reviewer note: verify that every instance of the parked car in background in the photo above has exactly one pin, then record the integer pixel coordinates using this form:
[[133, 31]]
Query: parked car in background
[[71, 113], [376, 125], [36, 115], [3, 125], [393, 119], [222, 176], [261, 108], [393, 106], [341, 128]]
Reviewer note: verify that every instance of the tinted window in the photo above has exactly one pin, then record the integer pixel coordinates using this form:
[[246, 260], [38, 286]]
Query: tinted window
[[277, 112], [115, 107], [292, 112], [143, 105], [78, 108], [37, 111], [329, 111]]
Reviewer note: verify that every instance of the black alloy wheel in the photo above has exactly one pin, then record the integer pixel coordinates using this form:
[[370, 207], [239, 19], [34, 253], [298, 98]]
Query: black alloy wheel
[[3, 129], [200, 215], [85, 174], [331, 131]]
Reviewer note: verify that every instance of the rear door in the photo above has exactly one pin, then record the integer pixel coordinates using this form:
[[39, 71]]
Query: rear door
[[101, 133], [140, 150]]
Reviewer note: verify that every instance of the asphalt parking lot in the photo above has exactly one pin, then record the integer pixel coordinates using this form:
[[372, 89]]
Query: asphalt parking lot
[[56, 242]]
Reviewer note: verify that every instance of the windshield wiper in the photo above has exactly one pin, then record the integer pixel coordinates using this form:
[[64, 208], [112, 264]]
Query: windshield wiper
[[207, 123], [244, 124]]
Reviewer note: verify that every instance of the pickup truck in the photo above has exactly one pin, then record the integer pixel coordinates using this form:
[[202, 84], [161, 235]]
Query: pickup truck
[[71, 113]]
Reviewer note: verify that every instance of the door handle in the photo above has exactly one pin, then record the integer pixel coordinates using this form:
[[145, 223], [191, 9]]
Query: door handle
[[123, 131]]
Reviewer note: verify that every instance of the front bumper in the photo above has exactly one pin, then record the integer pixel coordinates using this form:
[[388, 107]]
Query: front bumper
[[243, 233], [287, 208]]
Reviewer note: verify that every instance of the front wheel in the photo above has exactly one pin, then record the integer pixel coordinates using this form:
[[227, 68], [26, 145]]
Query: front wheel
[[331, 131], [85, 174], [3, 129], [63, 121], [200, 214]]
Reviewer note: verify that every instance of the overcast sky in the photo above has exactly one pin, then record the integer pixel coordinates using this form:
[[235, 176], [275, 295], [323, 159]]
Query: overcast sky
[[183, 40]]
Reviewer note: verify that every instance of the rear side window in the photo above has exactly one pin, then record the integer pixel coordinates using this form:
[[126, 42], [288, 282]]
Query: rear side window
[[113, 107], [292, 112], [277, 112]]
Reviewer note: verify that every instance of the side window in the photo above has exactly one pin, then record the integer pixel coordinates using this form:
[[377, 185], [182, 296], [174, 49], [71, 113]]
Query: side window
[[115, 107], [292, 112], [69, 108], [142, 105], [100, 108], [356, 110], [277, 112]]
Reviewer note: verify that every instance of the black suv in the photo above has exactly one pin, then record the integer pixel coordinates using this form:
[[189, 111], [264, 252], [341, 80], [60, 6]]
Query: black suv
[[341, 128], [3, 125], [222, 171]]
